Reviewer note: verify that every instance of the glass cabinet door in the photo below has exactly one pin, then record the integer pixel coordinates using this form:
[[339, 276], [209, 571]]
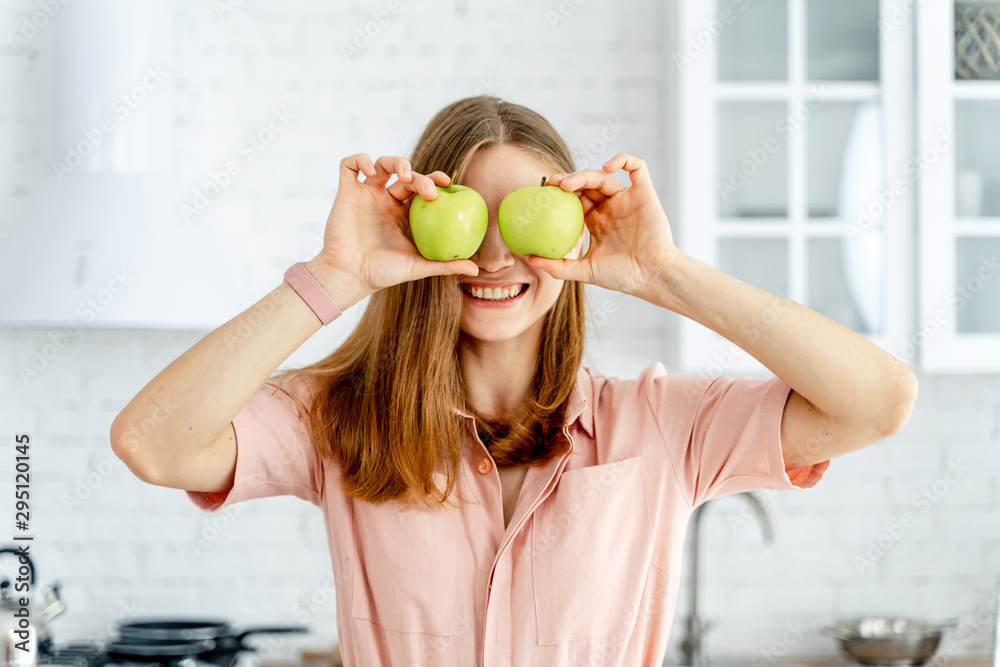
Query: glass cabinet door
[[842, 40], [752, 181], [803, 107], [959, 147]]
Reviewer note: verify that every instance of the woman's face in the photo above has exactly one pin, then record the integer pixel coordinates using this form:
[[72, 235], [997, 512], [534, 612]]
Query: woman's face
[[493, 173]]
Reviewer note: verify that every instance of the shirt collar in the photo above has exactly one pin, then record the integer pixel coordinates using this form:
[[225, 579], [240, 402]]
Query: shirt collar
[[579, 406]]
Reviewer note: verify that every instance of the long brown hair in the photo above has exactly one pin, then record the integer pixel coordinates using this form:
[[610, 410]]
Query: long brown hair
[[384, 401]]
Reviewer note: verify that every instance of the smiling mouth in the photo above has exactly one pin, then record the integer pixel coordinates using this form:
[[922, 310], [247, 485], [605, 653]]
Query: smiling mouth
[[498, 294]]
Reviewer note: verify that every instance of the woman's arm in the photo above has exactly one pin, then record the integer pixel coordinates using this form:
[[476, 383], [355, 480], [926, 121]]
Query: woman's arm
[[847, 392], [177, 432]]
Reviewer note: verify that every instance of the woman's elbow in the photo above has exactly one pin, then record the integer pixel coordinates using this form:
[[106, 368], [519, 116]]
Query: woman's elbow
[[901, 396], [125, 445]]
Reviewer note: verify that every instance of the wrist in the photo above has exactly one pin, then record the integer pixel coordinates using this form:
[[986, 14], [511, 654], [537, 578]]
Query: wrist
[[342, 286], [664, 286]]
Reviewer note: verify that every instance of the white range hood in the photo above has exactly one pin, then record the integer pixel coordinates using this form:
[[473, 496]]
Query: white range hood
[[99, 241]]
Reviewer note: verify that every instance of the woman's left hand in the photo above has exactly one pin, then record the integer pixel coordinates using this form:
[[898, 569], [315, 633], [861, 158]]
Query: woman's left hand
[[630, 239]]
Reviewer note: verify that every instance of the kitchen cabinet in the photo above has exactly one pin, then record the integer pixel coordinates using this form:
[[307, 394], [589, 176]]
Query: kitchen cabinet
[[143, 216], [794, 127], [840, 661], [959, 148]]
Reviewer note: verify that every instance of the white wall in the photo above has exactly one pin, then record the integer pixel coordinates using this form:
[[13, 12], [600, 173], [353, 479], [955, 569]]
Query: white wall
[[122, 547]]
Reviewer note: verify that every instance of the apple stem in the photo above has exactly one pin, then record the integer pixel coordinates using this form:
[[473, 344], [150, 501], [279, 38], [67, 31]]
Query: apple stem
[[543, 180], [451, 182]]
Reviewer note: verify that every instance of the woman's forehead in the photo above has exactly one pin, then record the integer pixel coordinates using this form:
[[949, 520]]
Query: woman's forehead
[[497, 170]]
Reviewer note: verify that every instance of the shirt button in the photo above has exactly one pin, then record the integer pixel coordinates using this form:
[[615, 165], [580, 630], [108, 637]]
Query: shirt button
[[485, 465]]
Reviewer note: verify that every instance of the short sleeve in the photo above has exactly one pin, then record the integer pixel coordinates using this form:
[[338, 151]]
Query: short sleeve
[[723, 435], [275, 454]]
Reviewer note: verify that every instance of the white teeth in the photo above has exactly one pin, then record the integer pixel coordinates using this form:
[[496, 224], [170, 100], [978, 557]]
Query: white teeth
[[493, 294]]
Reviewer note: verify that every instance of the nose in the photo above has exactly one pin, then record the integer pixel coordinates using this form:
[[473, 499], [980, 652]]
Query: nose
[[493, 254]]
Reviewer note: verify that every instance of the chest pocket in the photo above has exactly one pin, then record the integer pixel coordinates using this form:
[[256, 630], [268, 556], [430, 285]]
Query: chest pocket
[[590, 546], [404, 576]]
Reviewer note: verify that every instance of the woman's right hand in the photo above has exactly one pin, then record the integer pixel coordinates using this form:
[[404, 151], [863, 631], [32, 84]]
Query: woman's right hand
[[364, 234]]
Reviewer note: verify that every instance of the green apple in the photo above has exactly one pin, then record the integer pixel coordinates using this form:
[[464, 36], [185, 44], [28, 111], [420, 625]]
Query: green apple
[[540, 220], [450, 226]]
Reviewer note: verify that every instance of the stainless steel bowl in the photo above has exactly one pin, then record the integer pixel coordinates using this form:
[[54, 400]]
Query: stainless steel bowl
[[895, 642]]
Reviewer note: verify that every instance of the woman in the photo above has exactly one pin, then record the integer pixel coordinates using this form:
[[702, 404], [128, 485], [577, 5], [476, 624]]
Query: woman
[[489, 500]]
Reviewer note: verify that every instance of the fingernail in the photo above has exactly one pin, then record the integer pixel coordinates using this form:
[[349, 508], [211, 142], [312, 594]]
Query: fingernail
[[406, 172]]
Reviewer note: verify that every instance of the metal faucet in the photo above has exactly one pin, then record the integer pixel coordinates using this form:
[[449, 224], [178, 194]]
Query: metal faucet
[[996, 637], [692, 647]]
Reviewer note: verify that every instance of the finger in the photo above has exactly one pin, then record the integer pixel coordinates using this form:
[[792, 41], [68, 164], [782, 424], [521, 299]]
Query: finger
[[588, 203], [352, 165], [461, 267], [386, 166], [591, 179], [420, 184], [638, 174], [440, 178], [400, 191], [564, 269], [596, 196]]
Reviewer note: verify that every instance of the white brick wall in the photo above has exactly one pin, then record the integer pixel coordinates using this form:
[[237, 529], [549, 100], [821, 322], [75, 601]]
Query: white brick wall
[[126, 543]]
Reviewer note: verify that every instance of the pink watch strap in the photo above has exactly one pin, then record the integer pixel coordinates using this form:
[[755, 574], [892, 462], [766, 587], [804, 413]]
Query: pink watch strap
[[317, 298]]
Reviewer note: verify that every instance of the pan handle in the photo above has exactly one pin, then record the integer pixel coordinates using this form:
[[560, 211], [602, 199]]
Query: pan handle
[[271, 629]]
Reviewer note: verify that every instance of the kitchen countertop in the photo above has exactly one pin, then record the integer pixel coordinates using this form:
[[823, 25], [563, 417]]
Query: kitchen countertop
[[331, 658], [831, 661], [840, 661], [314, 657]]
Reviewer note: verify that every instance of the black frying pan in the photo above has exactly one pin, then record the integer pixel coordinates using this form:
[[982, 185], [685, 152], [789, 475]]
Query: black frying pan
[[158, 650], [167, 639], [182, 629]]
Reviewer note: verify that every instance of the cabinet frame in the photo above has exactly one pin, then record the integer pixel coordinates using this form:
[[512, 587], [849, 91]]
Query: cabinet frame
[[699, 229], [942, 348]]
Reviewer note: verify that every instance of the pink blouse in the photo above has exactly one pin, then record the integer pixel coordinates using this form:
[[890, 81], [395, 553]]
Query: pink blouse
[[589, 566]]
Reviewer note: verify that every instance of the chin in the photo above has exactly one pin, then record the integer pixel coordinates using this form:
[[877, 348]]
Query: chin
[[491, 334]]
